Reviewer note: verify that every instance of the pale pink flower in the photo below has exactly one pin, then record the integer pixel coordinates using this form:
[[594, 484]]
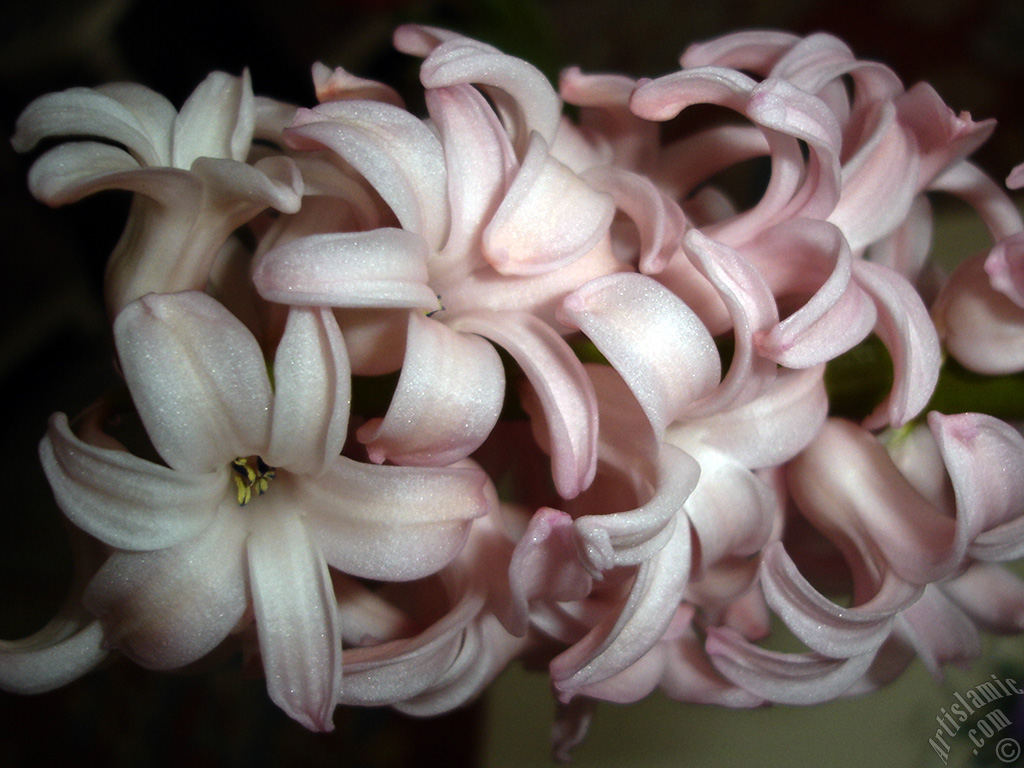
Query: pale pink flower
[[188, 170], [254, 502], [915, 536]]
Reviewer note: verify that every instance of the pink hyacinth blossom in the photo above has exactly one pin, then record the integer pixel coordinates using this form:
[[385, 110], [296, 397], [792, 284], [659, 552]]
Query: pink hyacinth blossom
[[263, 502]]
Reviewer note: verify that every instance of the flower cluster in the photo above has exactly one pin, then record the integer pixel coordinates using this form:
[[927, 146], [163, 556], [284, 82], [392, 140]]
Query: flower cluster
[[423, 396]]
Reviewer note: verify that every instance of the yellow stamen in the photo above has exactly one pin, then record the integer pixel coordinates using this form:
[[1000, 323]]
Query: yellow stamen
[[249, 478]]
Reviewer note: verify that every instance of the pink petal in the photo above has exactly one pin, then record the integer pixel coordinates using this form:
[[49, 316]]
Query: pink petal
[[168, 608], [625, 636], [448, 398], [632, 537], [753, 311], [391, 523], [880, 182], [731, 509], [545, 566], [397, 154], [561, 383], [938, 631], [549, 217], [980, 327], [984, 456], [991, 596], [781, 677], [1016, 178], [907, 330], [768, 430], [312, 390], [122, 500], [480, 162], [655, 342], [197, 377], [383, 268], [296, 618], [522, 94], [1005, 268], [336, 84], [753, 50], [822, 625], [659, 220], [837, 317]]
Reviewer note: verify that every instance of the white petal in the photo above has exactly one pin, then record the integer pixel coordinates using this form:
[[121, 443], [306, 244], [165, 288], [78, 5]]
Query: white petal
[[383, 268], [197, 377], [168, 608], [392, 523], [312, 391], [122, 500], [217, 120], [296, 617]]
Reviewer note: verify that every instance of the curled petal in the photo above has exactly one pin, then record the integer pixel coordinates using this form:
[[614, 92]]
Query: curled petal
[[54, 656], [938, 631], [908, 332], [480, 160], [449, 395], [981, 327], [731, 509], [1005, 268], [561, 383], [521, 92], [753, 311], [991, 596], [827, 628], [197, 377], [624, 637], [85, 111], [312, 389], [660, 221], [837, 317], [983, 456], [548, 218], [296, 618], [631, 537], [122, 500], [392, 523], [69, 172], [384, 268], [398, 670], [768, 430], [780, 677], [397, 153], [752, 50], [658, 345], [336, 84], [545, 566]]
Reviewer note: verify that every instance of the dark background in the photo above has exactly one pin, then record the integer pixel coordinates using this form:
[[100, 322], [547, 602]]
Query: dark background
[[55, 353]]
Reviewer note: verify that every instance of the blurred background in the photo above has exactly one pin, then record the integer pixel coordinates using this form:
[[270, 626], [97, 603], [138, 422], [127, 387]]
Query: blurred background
[[55, 355]]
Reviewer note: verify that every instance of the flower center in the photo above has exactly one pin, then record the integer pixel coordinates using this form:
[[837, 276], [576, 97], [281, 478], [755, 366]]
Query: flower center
[[252, 475]]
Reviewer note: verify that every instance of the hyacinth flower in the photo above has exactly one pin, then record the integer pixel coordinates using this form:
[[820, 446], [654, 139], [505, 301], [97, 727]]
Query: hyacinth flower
[[484, 250], [918, 540], [187, 169], [253, 505]]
